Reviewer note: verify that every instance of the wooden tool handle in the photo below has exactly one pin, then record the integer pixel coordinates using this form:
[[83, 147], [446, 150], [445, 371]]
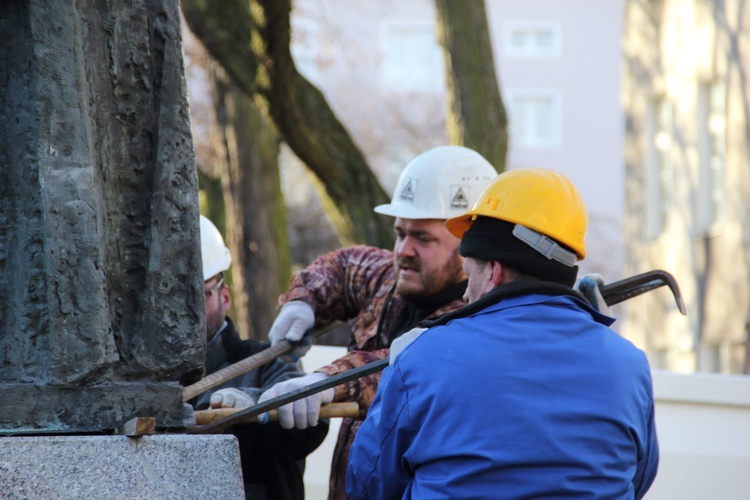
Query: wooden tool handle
[[332, 410], [240, 368], [246, 365]]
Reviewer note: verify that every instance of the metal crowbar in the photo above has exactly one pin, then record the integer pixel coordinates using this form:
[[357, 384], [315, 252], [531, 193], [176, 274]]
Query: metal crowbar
[[613, 293], [622, 290]]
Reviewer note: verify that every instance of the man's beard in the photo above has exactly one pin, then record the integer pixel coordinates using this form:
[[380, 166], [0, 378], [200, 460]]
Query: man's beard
[[432, 283], [214, 322]]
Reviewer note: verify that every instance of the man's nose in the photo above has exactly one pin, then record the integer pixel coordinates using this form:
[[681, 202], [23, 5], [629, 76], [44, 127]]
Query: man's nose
[[406, 247]]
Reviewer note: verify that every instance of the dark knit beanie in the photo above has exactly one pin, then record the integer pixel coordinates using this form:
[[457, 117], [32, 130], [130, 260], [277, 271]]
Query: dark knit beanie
[[493, 239]]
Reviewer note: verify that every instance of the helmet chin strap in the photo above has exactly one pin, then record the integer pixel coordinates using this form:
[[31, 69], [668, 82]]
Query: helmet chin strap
[[544, 245]]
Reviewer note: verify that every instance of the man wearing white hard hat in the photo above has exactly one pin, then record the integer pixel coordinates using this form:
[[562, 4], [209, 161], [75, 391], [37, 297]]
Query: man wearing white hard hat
[[273, 458], [382, 293]]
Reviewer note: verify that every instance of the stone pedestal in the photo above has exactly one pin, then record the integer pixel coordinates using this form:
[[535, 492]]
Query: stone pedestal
[[118, 467]]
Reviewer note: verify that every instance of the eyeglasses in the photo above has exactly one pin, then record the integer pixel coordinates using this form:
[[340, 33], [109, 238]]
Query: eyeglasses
[[217, 286]]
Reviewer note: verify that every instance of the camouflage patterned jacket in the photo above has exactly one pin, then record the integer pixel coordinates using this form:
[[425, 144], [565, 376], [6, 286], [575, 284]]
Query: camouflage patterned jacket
[[354, 284]]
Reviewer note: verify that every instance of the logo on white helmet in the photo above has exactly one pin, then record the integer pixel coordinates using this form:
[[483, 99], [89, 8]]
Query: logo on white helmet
[[410, 189], [459, 198]]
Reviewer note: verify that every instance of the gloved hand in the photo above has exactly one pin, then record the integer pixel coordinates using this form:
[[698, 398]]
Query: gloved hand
[[294, 320], [401, 342], [303, 413], [231, 398], [589, 286], [188, 415]]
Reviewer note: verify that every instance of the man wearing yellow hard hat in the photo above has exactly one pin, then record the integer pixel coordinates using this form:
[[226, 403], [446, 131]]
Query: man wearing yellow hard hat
[[523, 393]]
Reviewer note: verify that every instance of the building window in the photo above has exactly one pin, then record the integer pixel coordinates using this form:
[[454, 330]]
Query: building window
[[532, 39], [712, 151], [725, 356], [534, 118], [659, 174], [411, 57]]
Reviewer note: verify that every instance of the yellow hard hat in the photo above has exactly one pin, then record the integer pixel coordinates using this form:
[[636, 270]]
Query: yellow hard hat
[[542, 200]]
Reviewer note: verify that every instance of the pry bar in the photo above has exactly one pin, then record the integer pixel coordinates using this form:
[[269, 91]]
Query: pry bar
[[613, 293], [628, 288]]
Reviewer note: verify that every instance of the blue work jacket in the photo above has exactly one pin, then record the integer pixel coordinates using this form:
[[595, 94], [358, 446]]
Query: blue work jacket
[[533, 396]]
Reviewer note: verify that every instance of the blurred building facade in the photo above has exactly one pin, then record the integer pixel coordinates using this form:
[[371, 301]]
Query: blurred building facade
[[686, 99]]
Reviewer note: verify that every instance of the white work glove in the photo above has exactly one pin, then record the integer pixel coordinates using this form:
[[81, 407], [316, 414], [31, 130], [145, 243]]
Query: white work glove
[[589, 286], [188, 415], [401, 342], [302, 413], [231, 398], [294, 320]]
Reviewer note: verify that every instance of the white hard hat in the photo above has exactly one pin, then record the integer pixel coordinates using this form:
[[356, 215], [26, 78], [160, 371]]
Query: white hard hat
[[216, 256], [440, 183]]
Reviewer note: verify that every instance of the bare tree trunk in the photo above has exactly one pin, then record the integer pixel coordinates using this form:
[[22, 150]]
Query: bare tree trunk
[[256, 214], [304, 120], [298, 110], [476, 116], [212, 203], [101, 308]]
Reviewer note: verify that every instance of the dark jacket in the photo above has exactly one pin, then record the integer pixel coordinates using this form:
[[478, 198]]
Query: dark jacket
[[273, 459]]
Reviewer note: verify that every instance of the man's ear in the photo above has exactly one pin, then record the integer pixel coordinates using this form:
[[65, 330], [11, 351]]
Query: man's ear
[[497, 273], [225, 297]]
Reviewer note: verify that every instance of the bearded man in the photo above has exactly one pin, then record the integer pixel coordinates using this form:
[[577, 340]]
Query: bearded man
[[381, 293]]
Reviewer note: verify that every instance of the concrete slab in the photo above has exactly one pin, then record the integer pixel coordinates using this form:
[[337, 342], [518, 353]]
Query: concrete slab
[[118, 467], [704, 437]]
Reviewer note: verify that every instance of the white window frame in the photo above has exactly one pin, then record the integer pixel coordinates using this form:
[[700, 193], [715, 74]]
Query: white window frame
[[554, 139], [721, 357], [532, 50], [435, 67]]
